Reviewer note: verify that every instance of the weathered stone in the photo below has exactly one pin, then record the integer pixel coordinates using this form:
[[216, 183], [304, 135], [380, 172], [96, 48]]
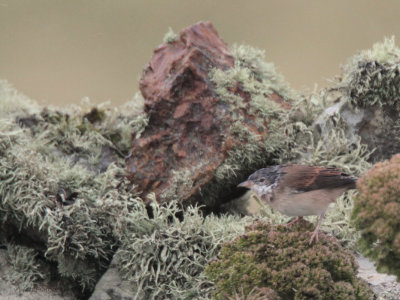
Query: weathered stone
[[111, 286], [376, 126], [383, 285], [189, 131], [369, 100]]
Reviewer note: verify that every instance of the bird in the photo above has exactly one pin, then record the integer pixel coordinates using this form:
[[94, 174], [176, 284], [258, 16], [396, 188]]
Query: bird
[[299, 190]]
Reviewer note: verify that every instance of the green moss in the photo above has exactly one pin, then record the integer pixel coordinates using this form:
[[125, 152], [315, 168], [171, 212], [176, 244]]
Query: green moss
[[255, 294], [376, 212], [284, 261]]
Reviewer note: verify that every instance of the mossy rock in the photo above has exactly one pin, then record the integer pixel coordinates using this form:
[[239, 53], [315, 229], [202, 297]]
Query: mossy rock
[[284, 261], [376, 214], [371, 78]]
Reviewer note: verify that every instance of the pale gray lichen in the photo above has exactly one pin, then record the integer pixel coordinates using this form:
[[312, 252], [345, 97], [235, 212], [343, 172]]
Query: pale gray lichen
[[58, 183], [81, 213], [13, 102], [372, 77], [26, 268], [335, 150], [164, 256], [252, 62], [170, 36]]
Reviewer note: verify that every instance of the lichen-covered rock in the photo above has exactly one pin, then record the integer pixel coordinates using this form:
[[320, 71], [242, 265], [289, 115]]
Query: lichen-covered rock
[[368, 97], [284, 261], [67, 211], [60, 190], [384, 286], [213, 116], [376, 214]]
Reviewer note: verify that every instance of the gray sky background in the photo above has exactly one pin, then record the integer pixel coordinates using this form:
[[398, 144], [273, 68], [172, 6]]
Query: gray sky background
[[58, 52]]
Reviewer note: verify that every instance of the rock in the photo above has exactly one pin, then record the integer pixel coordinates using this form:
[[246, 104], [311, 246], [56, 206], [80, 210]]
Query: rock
[[111, 286], [189, 134], [376, 126], [369, 93], [383, 285]]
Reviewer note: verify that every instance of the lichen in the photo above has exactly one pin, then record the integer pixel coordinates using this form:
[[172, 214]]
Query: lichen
[[170, 36], [55, 185], [164, 256], [372, 77], [252, 62], [13, 102], [62, 179], [335, 150], [26, 268]]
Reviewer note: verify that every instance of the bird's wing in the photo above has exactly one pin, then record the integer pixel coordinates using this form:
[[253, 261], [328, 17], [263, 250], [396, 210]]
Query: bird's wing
[[308, 178]]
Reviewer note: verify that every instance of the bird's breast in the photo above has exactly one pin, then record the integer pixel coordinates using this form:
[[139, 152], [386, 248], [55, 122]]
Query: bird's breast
[[302, 203]]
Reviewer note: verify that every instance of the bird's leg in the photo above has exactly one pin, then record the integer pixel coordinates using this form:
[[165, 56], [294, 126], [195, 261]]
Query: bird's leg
[[271, 232], [298, 219], [314, 235]]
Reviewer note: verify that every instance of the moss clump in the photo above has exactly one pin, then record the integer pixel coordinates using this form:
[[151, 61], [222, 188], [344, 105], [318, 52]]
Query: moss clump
[[376, 214], [255, 294], [285, 262], [373, 77]]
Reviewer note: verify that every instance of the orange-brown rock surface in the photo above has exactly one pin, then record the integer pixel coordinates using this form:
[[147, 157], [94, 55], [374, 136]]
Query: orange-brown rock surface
[[189, 125]]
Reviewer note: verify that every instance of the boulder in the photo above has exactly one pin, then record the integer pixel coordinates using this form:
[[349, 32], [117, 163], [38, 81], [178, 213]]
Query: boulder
[[193, 130], [377, 127], [368, 94]]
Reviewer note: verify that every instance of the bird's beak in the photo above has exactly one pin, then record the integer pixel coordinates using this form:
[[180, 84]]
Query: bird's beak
[[246, 184]]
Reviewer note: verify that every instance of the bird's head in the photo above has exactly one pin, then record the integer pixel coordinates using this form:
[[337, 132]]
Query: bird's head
[[262, 182]]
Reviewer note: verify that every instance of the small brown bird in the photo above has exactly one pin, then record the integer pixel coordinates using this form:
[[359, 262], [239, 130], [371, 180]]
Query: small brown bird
[[299, 190]]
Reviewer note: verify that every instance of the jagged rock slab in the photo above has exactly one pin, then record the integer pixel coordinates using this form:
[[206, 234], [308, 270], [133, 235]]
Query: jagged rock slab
[[189, 131]]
